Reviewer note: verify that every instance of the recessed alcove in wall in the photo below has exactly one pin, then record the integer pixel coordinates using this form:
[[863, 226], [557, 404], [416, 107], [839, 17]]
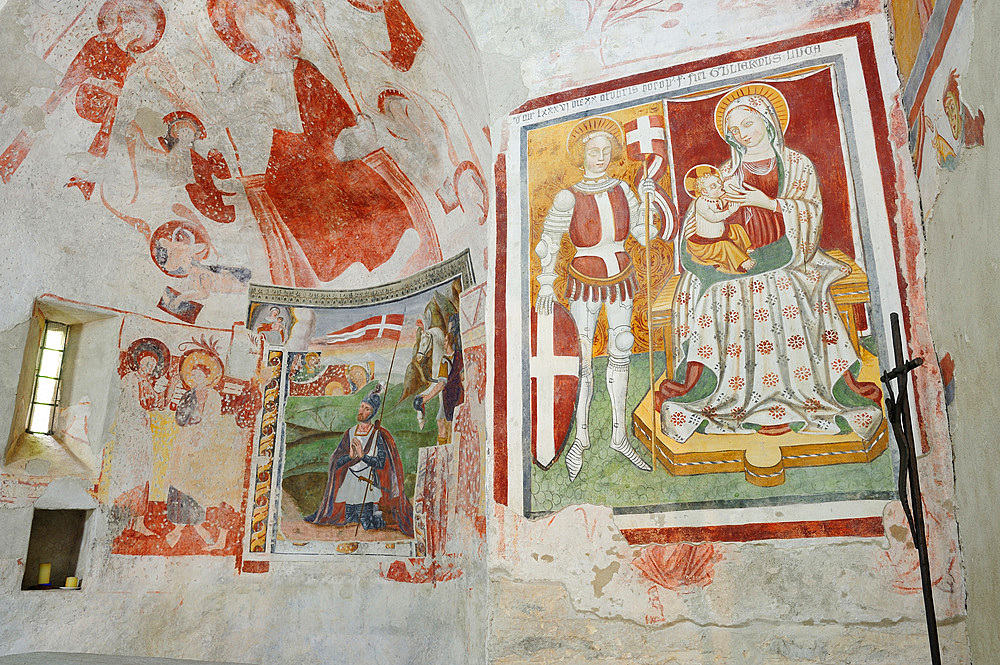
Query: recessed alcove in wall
[[83, 399], [56, 539]]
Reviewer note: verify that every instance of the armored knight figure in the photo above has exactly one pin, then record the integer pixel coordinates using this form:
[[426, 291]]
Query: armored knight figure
[[598, 213]]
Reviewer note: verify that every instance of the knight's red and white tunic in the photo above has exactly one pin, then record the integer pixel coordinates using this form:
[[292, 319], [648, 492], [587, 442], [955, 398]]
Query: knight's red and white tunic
[[598, 217]]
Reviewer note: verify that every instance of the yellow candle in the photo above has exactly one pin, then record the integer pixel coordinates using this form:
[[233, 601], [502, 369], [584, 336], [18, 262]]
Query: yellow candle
[[44, 572], [72, 582]]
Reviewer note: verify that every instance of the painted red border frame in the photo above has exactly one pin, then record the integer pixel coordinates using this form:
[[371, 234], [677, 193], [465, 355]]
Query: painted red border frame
[[865, 527], [935, 60], [500, 341], [862, 527]]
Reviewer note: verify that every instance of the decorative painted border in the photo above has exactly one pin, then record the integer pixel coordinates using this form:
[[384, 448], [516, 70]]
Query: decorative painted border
[[859, 527], [459, 265], [265, 456]]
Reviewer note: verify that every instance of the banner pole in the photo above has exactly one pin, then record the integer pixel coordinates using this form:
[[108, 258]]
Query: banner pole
[[649, 322], [377, 425]]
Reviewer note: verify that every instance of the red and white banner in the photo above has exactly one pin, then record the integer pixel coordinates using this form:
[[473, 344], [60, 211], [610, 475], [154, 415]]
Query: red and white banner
[[646, 142], [387, 326]]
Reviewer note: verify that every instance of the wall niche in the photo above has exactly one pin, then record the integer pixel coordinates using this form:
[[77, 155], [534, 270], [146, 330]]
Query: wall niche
[[56, 538]]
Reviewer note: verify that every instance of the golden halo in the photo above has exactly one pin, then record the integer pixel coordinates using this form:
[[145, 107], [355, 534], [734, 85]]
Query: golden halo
[[695, 172], [198, 357], [597, 123], [771, 94]]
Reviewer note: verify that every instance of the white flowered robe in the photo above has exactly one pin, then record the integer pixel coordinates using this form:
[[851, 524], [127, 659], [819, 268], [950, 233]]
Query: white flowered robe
[[772, 339]]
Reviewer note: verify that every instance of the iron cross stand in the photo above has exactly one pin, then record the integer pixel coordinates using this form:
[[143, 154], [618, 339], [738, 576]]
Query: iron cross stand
[[909, 483]]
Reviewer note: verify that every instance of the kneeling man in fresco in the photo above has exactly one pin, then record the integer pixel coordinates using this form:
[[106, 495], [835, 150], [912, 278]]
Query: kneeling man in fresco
[[366, 477]]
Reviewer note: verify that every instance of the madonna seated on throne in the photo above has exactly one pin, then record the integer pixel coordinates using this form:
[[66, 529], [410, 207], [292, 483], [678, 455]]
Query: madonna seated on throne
[[765, 351]]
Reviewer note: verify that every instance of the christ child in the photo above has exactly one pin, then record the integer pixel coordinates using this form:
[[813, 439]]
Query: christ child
[[711, 240]]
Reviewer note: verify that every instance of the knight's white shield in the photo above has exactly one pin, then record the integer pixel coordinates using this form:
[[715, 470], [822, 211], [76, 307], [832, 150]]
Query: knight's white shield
[[555, 381]]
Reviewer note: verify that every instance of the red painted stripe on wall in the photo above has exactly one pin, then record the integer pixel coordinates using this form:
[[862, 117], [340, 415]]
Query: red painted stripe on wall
[[864, 527], [500, 343]]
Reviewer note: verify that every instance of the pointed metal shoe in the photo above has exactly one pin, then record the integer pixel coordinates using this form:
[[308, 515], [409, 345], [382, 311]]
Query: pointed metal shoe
[[628, 451]]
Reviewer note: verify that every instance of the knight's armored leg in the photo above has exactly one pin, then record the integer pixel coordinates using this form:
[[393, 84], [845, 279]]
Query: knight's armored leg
[[585, 316], [352, 513], [620, 341], [574, 457]]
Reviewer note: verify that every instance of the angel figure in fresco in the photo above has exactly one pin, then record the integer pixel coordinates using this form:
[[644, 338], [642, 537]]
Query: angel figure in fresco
[[144, 388], [966, 128], [765, 351], [179, 248], [186, 165], [325, 184], [126, 29], [598, 213], [404, 36], [406, 117]]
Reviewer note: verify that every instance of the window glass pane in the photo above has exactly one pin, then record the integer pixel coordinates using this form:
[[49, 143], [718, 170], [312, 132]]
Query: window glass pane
[[46, 390], [55, 337], [51, 360], [41, 418]]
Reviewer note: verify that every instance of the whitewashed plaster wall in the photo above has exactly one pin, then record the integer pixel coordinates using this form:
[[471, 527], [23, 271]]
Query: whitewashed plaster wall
[[964, 314], [531, 49], [200, 607], [559, 592]]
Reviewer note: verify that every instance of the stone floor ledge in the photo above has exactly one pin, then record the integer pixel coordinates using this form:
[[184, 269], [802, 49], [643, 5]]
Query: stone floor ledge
[[54, 658]]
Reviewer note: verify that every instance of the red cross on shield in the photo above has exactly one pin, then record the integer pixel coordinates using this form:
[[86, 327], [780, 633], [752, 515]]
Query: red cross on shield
[[555, 379]]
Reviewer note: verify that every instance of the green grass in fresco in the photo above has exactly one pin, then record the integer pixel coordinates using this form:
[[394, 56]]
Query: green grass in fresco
[[609, 479], [314, 426]]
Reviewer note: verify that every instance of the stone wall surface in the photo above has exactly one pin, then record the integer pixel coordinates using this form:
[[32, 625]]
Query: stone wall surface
[[215, 192], [565, 635], [157, 160], [957, 266]]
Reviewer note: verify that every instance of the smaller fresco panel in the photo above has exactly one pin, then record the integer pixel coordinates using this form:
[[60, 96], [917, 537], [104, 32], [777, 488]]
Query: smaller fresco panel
[[371, 385], [184, 423]]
